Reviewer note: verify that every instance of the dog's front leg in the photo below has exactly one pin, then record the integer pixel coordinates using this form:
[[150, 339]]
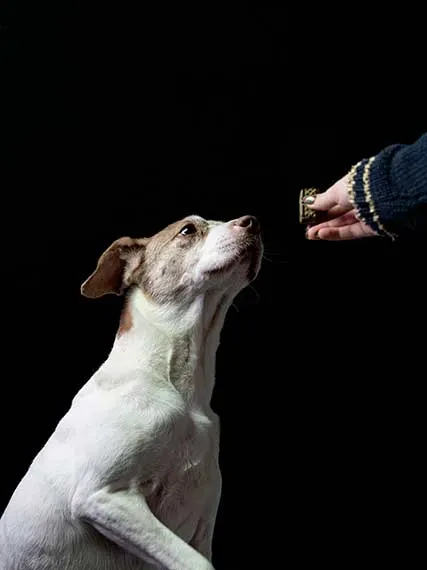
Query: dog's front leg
[[203, 537], [124, 517]]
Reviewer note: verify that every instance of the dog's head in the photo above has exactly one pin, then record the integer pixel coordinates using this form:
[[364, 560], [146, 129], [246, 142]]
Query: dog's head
[[181, 261]]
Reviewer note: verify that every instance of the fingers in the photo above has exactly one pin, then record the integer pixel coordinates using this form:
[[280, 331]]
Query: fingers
[[335, 200], [343, 228], [353, 231], [342, 223], [324, 201], [336, 211], [343, 220]]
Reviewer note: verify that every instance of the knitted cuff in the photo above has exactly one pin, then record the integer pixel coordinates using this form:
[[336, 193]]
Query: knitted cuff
[[360, 196]]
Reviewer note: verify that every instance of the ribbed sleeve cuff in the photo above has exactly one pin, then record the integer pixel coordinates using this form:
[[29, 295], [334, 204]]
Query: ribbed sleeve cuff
[[389, 191], [368, 205]]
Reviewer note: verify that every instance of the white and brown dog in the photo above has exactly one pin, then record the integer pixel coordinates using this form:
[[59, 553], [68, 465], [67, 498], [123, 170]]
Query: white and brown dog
[[130, 478]]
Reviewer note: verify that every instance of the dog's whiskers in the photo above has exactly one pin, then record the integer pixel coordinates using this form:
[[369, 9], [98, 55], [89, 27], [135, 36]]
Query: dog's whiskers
[[252, 288], [274, 260]]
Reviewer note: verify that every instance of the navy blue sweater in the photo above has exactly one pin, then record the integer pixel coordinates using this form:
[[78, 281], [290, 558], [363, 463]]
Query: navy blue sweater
[[390, 189]]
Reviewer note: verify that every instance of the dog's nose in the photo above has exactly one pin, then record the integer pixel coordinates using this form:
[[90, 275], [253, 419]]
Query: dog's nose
[[249, 222]]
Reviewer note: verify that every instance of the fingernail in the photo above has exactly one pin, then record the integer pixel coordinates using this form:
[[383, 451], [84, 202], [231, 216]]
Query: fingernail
[[312, 236], [309, 200]]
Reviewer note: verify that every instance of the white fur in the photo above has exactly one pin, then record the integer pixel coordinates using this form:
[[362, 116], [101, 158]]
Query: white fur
[[130, 479]]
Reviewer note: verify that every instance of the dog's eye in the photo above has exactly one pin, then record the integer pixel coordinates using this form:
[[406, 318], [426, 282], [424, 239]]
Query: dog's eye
[[188, 230]]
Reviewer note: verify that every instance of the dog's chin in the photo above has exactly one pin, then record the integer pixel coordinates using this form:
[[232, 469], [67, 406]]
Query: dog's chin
[[242, 265], [254, 265]]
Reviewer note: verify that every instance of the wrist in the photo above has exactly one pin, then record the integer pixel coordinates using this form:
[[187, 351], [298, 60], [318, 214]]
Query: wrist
[[360, 196]]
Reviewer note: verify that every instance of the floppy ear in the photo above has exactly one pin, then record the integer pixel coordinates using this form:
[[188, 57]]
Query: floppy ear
[[115, 268]]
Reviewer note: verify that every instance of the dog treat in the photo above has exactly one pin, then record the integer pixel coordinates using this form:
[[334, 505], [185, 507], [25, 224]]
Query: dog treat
[[306, 214]]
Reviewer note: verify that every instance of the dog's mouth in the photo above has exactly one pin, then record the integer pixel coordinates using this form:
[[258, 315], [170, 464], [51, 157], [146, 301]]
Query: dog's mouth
[[248, 253]]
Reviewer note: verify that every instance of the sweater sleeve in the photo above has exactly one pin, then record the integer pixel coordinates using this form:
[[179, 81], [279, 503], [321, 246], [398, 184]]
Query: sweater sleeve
[[390, 189]]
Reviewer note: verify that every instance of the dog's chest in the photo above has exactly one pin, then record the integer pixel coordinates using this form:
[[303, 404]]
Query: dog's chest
[[181, 490]]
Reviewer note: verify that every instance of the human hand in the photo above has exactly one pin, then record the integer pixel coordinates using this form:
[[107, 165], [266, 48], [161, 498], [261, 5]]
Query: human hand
[[343, 223]]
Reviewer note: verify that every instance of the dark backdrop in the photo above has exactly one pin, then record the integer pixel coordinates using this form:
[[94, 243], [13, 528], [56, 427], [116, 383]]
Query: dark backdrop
[[118, 123]]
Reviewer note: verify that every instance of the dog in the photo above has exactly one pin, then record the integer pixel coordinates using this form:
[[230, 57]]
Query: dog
[[130, 478]]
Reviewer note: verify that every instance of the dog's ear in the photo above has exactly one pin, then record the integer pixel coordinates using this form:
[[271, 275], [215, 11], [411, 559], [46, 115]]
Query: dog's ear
[[115, 268]]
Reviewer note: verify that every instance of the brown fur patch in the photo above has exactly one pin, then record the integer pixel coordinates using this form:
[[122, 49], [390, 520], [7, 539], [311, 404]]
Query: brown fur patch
[[126, 321], [109, 275], [164, 259], [155, 264]]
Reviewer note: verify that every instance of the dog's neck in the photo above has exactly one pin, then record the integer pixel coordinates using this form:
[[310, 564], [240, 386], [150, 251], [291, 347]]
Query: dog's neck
[[173, 344]]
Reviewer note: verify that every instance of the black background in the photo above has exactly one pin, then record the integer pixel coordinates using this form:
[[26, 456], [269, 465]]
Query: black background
[[117, 123]]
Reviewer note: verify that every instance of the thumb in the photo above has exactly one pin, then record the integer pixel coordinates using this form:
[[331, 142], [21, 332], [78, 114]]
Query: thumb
[[323, 201]]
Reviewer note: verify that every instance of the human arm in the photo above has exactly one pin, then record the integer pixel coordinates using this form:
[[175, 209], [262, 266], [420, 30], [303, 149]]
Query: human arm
[[384, 195]]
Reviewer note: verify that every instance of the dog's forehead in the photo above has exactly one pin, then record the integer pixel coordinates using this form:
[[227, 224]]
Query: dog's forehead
[[172, 229], [202, 221], [198, 220], [194, 218], [213, 223]]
